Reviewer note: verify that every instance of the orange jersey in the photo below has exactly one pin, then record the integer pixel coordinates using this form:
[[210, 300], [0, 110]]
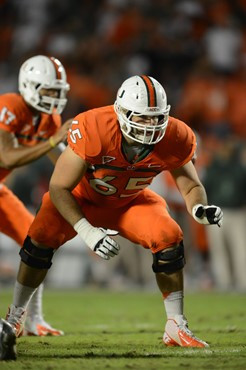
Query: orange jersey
[[16, 117], [112, 181]]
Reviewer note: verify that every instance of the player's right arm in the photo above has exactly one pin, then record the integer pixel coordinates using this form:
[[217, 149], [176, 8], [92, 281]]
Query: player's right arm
[[69, 170], [13, 155]]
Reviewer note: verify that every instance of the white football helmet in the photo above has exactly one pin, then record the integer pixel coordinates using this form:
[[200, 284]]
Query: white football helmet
[[142, 96], [45, 72]]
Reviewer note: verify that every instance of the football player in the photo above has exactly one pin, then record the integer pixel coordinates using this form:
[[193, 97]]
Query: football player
[[113, 154], [30, 127]]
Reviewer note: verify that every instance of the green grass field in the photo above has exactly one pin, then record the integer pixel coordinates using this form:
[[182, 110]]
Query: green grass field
[[106, 330]]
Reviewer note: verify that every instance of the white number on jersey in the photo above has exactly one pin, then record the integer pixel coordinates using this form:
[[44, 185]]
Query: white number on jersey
[[103, 187], [75, 133], [6, 116]]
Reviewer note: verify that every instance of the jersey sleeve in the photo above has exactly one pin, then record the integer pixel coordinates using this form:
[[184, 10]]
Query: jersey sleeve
[[186, 144], [8, 118], [83, 136], [183, 142]]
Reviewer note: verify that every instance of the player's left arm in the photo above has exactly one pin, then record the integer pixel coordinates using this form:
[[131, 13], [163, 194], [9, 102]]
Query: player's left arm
[[195, 196]]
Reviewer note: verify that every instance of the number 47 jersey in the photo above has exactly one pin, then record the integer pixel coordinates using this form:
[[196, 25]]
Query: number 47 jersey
[[17, 118], [112, 181]]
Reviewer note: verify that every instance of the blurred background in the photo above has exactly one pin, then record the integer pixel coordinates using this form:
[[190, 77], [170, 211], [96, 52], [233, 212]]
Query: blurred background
[[197, 50]]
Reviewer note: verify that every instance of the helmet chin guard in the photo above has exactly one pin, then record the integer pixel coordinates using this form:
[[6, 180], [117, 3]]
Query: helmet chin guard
[[142, 96], [42, 72]]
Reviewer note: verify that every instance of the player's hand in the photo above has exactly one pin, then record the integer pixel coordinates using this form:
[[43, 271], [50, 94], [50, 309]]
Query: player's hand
[[207, 215], [61, 134], [98, 239], [106, 248]]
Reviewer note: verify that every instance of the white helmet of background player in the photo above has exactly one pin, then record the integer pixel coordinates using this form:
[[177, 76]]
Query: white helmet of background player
[[42, 72], [142, 96]]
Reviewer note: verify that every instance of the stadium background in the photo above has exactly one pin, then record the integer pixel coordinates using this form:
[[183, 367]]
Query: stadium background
[[196, 49]]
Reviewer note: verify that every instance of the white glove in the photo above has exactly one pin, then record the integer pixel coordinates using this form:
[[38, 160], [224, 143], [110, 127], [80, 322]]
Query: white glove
[[207, 215], [97, 239]]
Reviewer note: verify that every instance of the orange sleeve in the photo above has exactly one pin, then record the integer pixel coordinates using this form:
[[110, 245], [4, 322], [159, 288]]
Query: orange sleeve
[[83, 136], [186, 144], [181, 143]]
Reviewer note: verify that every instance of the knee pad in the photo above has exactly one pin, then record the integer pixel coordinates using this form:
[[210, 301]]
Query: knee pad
[[34, 256], [169, 260]]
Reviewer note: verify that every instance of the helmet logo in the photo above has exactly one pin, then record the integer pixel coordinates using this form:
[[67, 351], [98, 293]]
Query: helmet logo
[[121, 95]]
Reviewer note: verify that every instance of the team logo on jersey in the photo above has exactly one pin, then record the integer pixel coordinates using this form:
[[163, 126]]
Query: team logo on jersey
[[107, 159]]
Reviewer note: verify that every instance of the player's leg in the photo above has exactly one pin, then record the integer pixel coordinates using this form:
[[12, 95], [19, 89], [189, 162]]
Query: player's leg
[[165, 239], [15, 223], [35, 323], [47, 232], [168, 263], [15, 218], [147, 222]]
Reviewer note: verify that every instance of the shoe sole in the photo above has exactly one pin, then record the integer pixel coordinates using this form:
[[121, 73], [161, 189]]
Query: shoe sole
[[169, 342], [43, 333]]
